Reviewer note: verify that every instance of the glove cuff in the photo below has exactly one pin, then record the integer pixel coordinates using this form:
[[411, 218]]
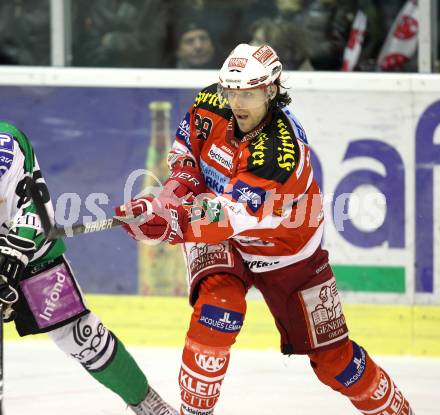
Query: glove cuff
[[16, 246], [20, 243]]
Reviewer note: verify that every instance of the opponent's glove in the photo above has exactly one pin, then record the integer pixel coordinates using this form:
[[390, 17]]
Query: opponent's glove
[[164, 221], [15, 254]]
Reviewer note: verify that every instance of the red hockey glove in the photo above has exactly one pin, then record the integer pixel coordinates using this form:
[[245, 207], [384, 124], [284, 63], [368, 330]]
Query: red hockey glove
[[167, 223], [185, 180], [164, 216]]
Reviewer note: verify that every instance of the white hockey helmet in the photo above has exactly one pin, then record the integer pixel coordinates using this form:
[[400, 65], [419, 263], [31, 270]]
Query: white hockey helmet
[[248, 67]]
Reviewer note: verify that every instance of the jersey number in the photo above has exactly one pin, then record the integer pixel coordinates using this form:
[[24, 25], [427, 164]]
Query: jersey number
[[21, 189]]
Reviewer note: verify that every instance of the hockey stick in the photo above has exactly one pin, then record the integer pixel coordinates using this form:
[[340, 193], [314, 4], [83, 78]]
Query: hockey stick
[[52, 231]]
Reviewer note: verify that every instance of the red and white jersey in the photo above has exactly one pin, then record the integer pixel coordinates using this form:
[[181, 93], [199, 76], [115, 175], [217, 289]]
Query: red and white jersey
[[263, 197]]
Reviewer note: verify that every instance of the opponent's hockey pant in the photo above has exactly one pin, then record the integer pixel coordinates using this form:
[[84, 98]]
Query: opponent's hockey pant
[[215, 323], [103, 355], [348, 369]]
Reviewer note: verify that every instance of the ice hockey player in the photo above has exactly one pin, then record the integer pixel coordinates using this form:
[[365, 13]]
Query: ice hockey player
[[40, 293], [260, 222]]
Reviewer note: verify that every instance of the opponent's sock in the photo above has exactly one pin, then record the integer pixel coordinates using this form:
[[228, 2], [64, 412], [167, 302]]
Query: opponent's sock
[[123, 376]]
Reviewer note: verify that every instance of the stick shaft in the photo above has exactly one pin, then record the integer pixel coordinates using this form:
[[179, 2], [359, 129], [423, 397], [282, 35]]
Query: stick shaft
[[53, 232], [88, 227]]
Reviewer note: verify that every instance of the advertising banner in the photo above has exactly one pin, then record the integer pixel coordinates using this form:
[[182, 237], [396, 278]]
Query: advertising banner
[[376, 156]]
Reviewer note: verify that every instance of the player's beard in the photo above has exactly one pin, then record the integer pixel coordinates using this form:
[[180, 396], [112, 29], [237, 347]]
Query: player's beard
[[248, 119]]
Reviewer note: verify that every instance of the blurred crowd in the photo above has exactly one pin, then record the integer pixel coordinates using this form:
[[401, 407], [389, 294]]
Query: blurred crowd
[[349, 35]]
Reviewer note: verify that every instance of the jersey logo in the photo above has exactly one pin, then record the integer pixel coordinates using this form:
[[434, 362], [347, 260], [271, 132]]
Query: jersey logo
[[288, 151], [260, 264], [220, 156], [6, 152], [221, 319], [5, 162], [208, 99], [237, 63], [254, 197], [355, 369], [213, 178], [263, 54], [259, 150], [6, 142], [275, 151], [210, 363]]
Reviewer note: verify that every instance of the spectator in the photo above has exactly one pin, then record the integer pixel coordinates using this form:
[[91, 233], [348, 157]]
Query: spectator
[[25, 32], [228, 21], [111, 33], [264, 31], [289, 8], [251, 11], [195, 47], [285, 37], [290, 37], [366, 37], [326, 25]]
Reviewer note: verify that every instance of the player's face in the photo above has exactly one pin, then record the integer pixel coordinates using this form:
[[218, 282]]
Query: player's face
[[249, 107]]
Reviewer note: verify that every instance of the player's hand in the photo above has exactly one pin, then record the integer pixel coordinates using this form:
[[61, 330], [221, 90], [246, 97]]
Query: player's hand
[[15, 254], [164, 217], [164, 220], [185, 182]]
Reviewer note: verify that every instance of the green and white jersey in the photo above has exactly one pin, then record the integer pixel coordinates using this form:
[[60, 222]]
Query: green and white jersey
[[17, 211]]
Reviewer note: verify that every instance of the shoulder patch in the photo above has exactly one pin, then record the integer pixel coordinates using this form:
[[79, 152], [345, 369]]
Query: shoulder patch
[[183, 130], [20, 139], [274, 152], [296, 125], [6, 152], [208, 99]]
